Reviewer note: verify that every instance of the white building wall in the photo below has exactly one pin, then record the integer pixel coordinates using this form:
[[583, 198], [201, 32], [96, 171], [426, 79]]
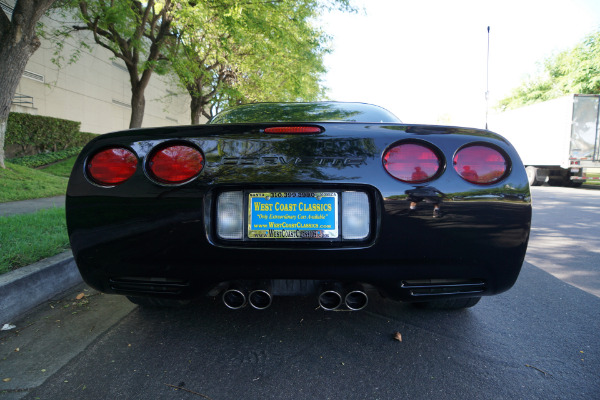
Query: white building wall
[[95, 90]]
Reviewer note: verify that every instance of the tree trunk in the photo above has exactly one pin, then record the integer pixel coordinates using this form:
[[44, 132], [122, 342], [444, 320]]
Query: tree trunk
[[138, 99], [18, 42], [14, 53], [138, 105], [196, 107], [3, 123]]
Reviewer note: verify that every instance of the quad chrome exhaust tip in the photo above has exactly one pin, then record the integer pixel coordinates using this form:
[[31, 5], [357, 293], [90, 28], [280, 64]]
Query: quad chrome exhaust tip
[[234, 299], [260, 299], [356, 300], [330, 300]]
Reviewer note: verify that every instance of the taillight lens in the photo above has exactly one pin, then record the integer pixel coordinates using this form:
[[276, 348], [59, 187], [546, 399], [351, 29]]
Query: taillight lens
[[112, 166], [480, 164], [411, 162], [176, 164], [294, 129]]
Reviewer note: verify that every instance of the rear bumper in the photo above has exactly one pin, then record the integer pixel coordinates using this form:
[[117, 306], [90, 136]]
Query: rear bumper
[[164, 247]]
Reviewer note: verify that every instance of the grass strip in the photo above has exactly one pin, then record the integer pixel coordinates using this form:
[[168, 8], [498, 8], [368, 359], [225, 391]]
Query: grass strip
[[62, 168], [593, 182], [27, 238], [22, 183], [39, 160]]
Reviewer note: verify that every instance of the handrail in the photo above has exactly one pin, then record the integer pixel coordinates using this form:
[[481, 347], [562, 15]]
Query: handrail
[[7, 9], [22, 99]]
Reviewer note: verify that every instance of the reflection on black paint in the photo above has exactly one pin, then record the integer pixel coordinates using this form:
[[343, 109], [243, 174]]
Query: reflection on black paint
[[305, 112], [250, 160], [427, 194]]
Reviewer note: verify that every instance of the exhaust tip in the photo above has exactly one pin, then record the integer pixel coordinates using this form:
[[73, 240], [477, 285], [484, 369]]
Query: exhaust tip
[[234, 299], [330, 300], [260, 299], [356, 300]]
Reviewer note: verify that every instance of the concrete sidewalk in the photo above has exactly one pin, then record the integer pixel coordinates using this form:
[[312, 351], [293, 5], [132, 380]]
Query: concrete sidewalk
[[27, 287], [29, 206]]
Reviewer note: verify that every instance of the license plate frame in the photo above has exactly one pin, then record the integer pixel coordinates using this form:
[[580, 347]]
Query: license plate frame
[[293, 215]]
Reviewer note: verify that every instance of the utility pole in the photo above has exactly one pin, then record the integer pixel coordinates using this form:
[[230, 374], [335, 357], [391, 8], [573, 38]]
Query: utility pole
[[487, 79]]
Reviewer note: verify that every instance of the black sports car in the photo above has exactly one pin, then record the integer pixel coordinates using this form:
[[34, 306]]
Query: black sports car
[[327, 199]]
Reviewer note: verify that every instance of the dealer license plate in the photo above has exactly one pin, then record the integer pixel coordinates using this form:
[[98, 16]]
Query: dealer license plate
[[293, 215]]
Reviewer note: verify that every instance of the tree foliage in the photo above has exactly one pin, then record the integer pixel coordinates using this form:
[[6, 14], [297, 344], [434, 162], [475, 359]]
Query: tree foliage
[[133, 31], [576, 70], [231, 52], [223, 51]]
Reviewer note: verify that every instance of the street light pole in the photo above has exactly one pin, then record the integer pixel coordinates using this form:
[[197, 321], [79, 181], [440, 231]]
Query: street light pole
[[487, 79]]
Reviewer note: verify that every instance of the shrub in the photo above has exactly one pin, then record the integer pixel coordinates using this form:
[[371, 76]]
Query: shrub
[[42, 133], [82, 138]]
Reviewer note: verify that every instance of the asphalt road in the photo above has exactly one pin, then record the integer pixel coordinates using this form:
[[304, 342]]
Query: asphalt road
[[565, 235], [539, 340]]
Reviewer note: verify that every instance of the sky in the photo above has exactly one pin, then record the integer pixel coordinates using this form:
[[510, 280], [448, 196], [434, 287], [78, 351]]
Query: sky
[[426, 60]]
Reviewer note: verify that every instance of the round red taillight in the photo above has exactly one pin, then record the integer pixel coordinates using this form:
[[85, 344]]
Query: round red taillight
[[111, 167], [411, 162], [480, 164], [176, 164]]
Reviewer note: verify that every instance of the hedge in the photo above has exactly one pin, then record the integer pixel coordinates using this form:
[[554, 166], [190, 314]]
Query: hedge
[[44, 133]]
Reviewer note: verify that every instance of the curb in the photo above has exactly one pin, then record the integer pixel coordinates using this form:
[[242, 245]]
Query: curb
[[27, 287]]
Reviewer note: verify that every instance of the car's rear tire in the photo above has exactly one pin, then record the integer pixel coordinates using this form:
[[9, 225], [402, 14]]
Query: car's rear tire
[[155, 302], [449, 304]]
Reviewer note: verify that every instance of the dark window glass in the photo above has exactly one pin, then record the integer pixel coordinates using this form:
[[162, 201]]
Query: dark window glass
[[305, 112]]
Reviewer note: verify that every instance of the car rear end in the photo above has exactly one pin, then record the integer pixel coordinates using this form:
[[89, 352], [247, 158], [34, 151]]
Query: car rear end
[[417, 212]]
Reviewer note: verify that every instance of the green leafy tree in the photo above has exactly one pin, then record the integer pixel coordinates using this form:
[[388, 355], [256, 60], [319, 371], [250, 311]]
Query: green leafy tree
[[135, 32], [576, 70], [200, 54], [18, 41], [218, 47], [231, 52]]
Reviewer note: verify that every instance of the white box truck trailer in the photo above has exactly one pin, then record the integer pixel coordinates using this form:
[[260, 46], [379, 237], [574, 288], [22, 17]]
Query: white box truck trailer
[[558, 140]]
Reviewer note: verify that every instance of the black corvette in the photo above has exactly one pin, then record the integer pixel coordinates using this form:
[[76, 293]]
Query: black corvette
[[327, 199]]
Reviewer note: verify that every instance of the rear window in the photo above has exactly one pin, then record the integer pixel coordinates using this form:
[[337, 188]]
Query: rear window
[[306, 112]]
